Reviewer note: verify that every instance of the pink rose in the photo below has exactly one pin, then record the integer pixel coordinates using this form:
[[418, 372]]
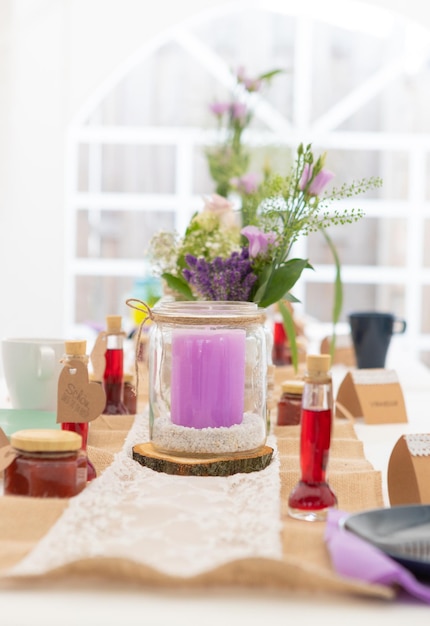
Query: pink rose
[[217, 204]]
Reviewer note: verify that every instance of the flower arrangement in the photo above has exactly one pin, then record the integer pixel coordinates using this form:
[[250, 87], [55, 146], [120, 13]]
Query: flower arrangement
[[229, 160], [244, 253], [219, 258]]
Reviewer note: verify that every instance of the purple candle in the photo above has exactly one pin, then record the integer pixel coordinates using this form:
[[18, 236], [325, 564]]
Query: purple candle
[[208, 377]]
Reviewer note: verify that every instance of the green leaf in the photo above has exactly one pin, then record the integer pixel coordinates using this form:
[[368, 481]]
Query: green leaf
[[289, 296], [290, 330], [178, 284], [269, 75], [192, 225], [281, 280], [338, 290], [263, 280]]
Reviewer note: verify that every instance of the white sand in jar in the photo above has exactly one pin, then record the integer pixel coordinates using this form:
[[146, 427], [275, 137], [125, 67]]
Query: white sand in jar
[[248, 435]]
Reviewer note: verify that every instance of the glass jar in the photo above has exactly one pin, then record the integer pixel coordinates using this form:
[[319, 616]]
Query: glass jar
[[49, 463], [290, 403], [130, 396], [207, 378]]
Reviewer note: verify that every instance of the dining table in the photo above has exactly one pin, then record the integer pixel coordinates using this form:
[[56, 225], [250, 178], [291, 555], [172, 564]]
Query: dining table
[[140, 546]]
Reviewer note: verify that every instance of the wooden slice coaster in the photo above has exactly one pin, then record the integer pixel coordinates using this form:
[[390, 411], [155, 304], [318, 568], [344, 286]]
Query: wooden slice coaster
[[147, 455]]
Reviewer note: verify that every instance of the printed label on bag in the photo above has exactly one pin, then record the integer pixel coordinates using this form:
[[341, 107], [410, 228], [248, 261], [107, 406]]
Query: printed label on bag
[[374, 394]]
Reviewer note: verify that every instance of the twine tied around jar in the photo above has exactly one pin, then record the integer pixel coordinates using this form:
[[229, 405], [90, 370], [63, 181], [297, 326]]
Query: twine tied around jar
[[194, 320], [148, 315]]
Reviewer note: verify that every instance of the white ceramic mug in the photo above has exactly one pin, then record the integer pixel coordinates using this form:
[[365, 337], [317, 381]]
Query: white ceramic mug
[[31, 370]]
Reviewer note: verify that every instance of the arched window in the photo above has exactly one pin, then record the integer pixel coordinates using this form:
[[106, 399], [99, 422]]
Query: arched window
[[355, 84]]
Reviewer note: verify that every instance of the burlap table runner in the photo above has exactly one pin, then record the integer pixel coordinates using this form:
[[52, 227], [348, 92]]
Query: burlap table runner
[[305, 564]]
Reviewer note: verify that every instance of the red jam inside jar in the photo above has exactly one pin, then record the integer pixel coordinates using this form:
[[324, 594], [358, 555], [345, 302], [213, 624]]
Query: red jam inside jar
[[290, 403], [49, 463], [130, 399]]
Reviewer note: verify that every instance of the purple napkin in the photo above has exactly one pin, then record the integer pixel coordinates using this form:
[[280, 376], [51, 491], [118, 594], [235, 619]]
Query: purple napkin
[[354, 557]]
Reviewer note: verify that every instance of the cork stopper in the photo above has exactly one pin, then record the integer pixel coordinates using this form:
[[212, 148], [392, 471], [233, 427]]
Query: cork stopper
[[317, 367], [46, 440], [294, 387], [77, 347], [113, 324]]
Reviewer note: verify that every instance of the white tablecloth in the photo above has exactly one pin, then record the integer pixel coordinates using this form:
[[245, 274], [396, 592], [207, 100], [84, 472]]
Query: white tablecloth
[[110, 604]]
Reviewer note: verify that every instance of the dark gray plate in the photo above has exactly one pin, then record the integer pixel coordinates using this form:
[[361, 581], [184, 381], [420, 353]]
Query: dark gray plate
[[402, 532]]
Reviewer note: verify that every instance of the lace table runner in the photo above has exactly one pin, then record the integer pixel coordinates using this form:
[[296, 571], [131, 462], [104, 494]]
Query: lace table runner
[[179, 525]]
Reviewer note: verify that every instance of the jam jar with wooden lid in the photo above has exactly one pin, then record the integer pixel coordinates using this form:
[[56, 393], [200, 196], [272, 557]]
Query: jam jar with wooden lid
[[290, 403], [130, 397], [49, 463]]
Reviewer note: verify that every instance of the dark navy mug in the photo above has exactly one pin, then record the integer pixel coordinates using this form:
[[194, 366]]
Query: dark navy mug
[[371, 334]]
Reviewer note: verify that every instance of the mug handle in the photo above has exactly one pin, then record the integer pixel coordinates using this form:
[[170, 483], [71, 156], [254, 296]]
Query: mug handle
[[45, 362], [399, 326]]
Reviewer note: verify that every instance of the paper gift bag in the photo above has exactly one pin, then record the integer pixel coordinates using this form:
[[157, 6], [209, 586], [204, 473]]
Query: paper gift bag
[[343, 351], [374, 394], [409, 470]]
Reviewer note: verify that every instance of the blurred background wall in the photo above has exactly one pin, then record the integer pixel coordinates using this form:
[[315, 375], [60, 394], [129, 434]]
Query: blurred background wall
[[53, 56]]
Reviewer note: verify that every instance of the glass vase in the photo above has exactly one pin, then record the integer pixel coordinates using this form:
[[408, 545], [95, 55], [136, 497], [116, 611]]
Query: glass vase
[[208, 378]]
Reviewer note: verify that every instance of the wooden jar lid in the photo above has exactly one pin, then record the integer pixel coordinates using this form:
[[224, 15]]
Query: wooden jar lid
[[46, 440]]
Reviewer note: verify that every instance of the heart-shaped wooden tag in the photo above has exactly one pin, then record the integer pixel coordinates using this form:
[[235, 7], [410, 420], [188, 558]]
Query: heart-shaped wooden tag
[[79, 400], [7, 453]]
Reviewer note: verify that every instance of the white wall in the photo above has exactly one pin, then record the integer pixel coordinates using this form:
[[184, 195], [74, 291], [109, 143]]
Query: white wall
[[53, 54]]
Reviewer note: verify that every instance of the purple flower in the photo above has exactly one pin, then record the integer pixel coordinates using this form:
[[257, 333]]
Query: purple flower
[[318, 183], [219, 108], [248, 183], [238, 110], [221, 279], [258, 240], [240, 74], [250, 84]]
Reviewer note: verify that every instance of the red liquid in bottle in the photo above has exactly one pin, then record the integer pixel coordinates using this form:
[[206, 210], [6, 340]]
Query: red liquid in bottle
[[280, 355], [113, 382], [82, 429], [315, 444], [76, 351], [312, 496]]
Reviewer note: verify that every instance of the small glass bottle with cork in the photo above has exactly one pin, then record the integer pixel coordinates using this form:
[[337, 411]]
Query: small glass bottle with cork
[[76, 350], [312, 497], [113, 377]]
